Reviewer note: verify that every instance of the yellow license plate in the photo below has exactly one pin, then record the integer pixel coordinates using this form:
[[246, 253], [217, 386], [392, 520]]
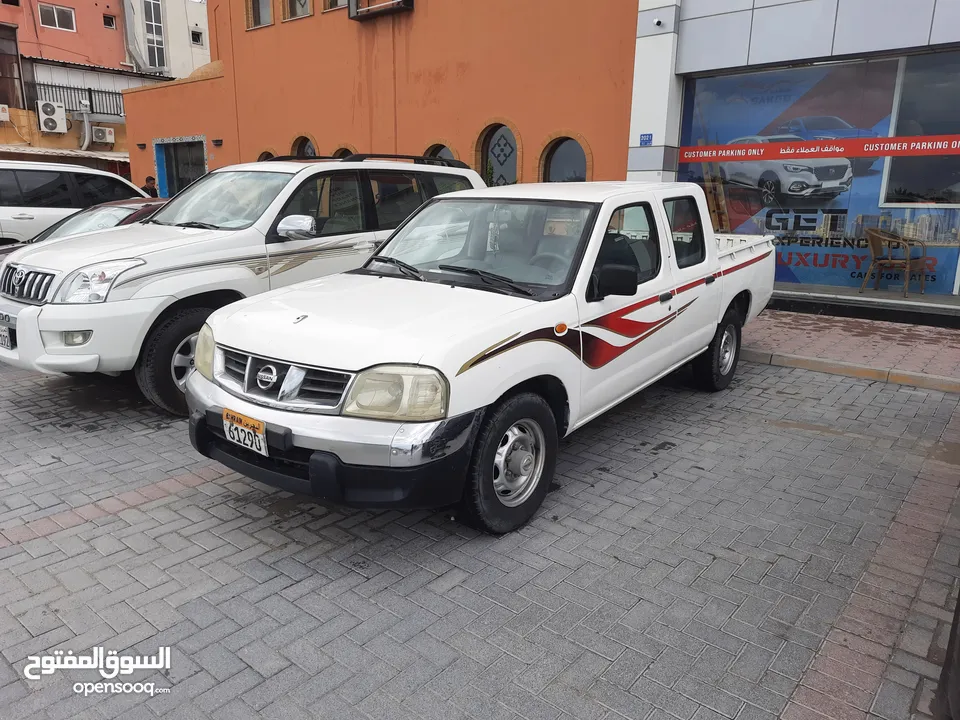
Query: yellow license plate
[[246, 431]]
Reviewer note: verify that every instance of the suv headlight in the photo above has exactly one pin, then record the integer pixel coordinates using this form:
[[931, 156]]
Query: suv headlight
[[798, 169], [92, 283], [203, 355], [407, 393]]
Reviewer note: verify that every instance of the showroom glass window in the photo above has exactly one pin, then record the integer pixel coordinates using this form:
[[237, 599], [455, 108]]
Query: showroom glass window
[[929, 102]]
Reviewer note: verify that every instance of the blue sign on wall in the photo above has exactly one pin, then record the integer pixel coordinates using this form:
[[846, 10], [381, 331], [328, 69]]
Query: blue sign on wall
[[646, 140]]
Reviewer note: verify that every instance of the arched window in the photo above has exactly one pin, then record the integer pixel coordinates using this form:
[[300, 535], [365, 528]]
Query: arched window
[[265, 155], [440, 151], [341, 153], [303, 147], [565, 161], [498, 156]]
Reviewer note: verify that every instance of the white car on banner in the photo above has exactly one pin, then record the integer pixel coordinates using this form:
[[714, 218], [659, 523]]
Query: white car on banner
[[782, 179]]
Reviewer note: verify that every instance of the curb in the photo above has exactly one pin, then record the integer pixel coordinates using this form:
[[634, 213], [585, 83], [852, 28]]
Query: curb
[[864, 372]]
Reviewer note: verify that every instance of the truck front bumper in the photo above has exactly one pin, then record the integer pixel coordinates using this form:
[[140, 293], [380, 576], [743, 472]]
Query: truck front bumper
[[37, 334], [346, 461]]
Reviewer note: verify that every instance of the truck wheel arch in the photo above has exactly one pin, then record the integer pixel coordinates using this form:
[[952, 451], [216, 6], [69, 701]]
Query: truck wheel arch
[[551, 389], [742, 304]]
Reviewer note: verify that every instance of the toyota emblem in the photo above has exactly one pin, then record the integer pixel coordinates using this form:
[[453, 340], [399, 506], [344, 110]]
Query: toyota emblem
[[266, 377], [18, 277]]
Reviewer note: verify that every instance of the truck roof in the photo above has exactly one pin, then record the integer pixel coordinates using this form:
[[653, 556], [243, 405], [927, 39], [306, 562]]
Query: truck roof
[[593, 192]]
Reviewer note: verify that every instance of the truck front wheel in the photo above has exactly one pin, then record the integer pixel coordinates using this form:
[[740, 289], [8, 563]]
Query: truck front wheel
[[167, 359], [714, 369], [513, 464]]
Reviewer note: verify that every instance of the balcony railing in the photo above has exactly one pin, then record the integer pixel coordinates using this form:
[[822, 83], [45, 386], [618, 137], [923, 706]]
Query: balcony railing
[[99, 102]]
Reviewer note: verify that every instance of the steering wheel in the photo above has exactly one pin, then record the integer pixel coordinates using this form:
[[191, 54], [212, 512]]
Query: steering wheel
[[553, 258]]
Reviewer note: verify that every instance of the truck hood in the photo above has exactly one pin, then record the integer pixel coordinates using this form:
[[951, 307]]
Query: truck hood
[[117, 243], [351, 321]]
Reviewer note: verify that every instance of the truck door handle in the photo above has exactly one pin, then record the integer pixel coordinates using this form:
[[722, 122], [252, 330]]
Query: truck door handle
[[666, 297], [710, 279], [23, 216]]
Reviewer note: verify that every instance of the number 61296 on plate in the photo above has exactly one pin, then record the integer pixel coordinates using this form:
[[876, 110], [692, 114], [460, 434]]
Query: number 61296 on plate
[[246, 431]]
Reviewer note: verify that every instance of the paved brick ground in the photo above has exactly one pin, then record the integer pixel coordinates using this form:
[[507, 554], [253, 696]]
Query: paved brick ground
[[786, 548], [886, 345]]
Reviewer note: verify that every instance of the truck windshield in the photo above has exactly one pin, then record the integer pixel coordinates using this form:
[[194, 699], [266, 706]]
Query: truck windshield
[[230, 200], [528, 242]]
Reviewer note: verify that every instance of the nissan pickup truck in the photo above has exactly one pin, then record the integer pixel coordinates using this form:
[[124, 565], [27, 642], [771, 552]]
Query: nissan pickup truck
[[490, 325], [133, 298]]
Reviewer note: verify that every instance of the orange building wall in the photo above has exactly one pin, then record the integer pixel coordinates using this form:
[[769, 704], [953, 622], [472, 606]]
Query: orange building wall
[[398, 84], [92, 43]]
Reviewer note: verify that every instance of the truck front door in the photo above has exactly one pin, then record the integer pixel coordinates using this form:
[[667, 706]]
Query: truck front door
[[626, 340]]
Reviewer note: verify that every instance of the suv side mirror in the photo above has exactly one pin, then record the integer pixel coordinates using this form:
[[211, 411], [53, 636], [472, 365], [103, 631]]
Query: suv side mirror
[[614, 280], [297, 227]]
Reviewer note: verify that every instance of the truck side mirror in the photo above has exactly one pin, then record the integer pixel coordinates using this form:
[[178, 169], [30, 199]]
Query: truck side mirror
[[610, 280]]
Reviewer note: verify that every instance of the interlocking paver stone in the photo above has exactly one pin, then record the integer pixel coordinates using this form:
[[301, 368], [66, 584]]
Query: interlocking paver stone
[[691, 563]]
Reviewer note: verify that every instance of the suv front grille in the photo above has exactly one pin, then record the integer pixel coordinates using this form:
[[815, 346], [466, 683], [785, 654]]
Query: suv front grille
[[22, 283], [261, 380], [830, 172]]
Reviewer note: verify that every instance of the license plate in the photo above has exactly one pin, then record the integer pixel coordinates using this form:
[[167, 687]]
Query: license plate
[[832, 184], [5, 342], [245, 431]]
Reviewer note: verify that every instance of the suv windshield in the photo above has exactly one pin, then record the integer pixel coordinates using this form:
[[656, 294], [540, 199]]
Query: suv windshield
[[96, 218], [228, 200], [525, 242]]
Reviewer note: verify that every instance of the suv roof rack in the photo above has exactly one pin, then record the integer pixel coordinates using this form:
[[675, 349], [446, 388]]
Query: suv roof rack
[[417, 159], [301, 158]]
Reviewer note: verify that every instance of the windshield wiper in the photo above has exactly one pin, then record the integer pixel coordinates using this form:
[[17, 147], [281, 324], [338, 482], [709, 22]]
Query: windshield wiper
[[406, 268], [151, 221], [488, 277], [198, 224]]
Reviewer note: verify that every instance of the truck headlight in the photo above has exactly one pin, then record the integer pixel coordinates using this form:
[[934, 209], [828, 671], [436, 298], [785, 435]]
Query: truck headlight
[[407, 393], [203, 355], [92, 283]]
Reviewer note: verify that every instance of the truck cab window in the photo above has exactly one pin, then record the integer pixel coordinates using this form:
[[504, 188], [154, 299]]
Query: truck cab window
[[687, 231], [631, 239]]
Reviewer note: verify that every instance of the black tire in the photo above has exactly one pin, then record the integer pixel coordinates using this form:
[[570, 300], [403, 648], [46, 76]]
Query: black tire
[[481, 505], [153, 372], [710, 370]]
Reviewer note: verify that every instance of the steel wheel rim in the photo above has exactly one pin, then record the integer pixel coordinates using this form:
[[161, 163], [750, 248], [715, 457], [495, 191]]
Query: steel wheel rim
[[182, 362], [728, 350], [518, 462], [768, 192]]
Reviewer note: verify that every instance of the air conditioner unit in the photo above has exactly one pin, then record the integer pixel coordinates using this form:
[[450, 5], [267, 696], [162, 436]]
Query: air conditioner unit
[[52, 116], [103, 135], [4, 113]]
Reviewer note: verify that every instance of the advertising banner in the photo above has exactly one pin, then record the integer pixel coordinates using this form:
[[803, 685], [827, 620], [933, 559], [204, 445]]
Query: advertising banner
[[819, 155]]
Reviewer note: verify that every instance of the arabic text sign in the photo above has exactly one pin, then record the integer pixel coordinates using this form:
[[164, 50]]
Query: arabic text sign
[[839, 148], [108, 662]]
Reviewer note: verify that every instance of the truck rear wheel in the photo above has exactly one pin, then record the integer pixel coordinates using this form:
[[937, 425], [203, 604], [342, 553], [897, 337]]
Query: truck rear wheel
[[513, 464], [167, 359], [714, 369]]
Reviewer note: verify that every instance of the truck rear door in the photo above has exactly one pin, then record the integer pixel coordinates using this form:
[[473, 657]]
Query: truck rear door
[[695, 267]]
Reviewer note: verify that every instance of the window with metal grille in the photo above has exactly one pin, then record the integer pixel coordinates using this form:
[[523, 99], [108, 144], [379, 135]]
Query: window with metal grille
[[296, 9], [153, 17]]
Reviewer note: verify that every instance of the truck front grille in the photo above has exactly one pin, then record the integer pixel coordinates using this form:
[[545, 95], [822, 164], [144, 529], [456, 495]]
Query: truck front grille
[[21, 283]]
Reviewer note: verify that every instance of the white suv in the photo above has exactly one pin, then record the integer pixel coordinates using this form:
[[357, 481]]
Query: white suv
[[135, 297], [35, 195]]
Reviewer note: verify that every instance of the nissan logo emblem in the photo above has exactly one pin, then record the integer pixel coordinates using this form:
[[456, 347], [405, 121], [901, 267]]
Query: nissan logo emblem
[[266, 377], [18, 277]]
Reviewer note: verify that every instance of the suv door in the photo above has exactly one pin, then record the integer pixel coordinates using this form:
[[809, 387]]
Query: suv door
[[95, 189], [396, 194], [627, 340], [697, 295], [43, 197], [343, 239]]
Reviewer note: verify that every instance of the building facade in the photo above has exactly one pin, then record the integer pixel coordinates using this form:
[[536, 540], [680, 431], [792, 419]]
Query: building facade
[[813, 120], [523, 91]]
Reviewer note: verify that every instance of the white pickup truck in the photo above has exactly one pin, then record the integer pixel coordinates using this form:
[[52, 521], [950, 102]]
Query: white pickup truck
[[493, 323], [135, 297]]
